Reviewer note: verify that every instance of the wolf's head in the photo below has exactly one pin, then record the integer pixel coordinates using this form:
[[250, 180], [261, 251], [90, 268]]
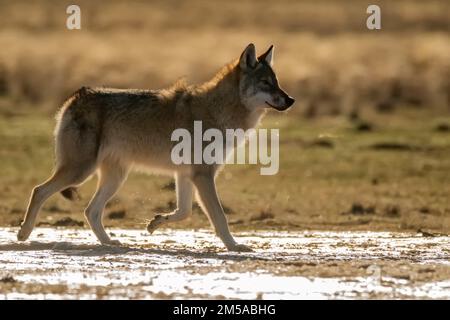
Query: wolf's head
[[258, 86]]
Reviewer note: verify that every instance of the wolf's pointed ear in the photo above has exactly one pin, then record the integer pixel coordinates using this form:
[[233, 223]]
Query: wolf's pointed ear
[[248, 58], [267, 56]]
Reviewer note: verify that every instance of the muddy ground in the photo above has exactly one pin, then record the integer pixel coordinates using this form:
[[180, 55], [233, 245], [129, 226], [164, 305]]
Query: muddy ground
[[68, 263]]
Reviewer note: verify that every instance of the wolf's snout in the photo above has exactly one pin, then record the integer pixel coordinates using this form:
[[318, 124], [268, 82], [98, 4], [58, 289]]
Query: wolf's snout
[[289, 101], [286, 102]]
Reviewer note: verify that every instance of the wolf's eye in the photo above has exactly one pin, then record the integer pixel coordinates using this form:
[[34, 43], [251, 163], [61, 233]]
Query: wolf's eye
[[265, 82]]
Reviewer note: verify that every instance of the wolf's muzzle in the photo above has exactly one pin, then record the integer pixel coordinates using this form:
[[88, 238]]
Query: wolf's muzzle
[[289, 101]]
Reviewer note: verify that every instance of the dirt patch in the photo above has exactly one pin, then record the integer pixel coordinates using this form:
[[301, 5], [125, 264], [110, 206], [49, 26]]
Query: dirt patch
[[321, 143], [358, 209], [117, 214], [393, 146], [442, 127], [8, 279], [55, 209], [64, 222], [392, 211], [363, 126], [431, 234], [170, 186], [263, 215]]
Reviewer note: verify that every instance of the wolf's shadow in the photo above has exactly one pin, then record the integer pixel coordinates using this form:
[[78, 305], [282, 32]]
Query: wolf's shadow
[[98, 250]]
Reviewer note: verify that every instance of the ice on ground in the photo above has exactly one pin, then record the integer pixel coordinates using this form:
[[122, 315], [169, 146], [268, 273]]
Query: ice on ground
[[69, 263]]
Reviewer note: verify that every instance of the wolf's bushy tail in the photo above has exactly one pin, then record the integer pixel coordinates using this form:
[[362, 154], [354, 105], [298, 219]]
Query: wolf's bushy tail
[[71, 194]]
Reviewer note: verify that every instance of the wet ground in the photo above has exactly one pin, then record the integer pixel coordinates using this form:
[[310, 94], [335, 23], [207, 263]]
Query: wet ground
[[68, 263]]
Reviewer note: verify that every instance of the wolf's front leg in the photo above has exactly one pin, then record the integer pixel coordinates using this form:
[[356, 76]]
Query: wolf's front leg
[[184, 204], [208, 196]]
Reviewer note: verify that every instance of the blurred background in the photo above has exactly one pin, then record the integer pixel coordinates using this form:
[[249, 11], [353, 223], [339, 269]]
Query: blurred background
[[367, 145]]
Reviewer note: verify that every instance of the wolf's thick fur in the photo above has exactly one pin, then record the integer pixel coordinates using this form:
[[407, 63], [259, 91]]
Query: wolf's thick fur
[[109, 131]]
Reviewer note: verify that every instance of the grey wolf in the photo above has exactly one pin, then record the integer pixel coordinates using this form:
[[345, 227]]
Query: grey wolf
[[111, 131]]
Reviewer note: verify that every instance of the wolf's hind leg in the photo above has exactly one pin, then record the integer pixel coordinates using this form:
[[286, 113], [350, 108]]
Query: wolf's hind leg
[[63, 177], [111, 177], [184, 204]]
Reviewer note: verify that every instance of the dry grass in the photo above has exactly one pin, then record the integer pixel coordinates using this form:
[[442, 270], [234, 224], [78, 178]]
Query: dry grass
[[324, 54]]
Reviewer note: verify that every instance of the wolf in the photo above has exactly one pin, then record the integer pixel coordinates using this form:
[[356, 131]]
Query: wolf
[[111, 131]]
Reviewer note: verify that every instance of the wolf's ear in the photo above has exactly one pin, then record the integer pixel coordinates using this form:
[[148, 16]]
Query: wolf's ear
[[267, 56], [248, 58]]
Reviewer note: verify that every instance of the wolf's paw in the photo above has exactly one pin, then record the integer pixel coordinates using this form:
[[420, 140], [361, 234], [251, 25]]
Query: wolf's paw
[[240, 248], [23, 233], [155, 223]]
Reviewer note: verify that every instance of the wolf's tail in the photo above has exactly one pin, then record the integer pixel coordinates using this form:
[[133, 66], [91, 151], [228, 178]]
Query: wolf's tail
[[71, 194]]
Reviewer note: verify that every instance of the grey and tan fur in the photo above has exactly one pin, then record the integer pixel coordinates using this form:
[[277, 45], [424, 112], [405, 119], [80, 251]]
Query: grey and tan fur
[[109, 131]]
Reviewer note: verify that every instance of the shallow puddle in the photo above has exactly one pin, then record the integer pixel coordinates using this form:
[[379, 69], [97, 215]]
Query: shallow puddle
[[68, 263]]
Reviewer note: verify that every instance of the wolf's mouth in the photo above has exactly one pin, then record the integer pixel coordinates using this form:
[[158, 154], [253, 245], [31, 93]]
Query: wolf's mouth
[[275, 107], [270, 105]]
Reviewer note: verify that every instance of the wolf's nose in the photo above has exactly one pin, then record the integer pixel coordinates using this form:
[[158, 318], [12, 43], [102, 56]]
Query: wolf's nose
[[290, 101]]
